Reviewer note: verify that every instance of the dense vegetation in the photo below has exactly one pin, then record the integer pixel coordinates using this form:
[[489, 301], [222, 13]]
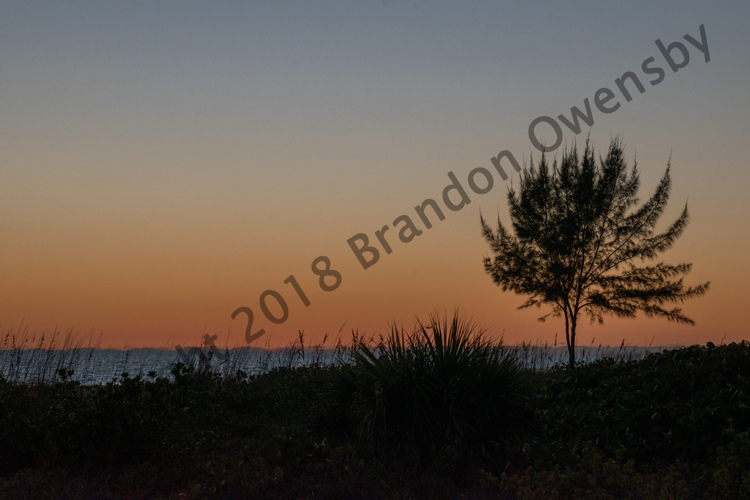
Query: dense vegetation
[[437, 413]]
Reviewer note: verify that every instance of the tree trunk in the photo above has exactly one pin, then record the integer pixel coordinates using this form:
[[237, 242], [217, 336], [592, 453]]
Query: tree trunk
[[572, 344], [571, 354]]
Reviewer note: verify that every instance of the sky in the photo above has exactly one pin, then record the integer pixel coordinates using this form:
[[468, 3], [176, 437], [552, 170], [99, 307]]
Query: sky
[[165, 164]]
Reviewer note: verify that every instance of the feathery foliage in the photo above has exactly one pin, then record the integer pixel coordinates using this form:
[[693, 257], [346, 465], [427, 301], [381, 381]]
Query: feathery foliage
[[578, 233]]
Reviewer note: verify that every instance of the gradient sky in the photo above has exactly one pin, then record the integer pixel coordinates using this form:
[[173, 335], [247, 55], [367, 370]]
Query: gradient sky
[[164, 163]]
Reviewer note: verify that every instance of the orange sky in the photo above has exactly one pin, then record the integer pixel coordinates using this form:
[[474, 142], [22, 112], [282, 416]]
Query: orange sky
[[160, 170]]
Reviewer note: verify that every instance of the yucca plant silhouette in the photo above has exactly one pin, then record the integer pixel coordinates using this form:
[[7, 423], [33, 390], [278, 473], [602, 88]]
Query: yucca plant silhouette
[[436, 395]]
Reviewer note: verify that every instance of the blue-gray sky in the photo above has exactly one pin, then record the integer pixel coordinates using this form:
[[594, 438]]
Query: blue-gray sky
[[163, 163]]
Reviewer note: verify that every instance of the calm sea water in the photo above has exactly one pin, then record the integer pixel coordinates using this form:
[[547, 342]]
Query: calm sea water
[[96, 366]]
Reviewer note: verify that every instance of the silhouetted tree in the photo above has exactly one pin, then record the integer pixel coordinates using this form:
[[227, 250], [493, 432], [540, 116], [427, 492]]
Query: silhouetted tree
[[578, 233]]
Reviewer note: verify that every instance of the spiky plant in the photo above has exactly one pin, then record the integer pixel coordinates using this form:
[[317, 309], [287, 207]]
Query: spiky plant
[[436, 395]]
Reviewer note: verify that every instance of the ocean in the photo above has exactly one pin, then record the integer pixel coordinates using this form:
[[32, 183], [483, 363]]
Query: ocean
[[91, 366]]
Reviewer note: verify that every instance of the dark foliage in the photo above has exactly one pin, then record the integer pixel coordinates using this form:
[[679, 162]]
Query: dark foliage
[[439, 395], [673, 425], [676, 407], [578, 239]]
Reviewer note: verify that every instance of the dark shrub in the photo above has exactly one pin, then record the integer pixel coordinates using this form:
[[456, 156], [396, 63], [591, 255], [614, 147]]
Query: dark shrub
[[434, 396]]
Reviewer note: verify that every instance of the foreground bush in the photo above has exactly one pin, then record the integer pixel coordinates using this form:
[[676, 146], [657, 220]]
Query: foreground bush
[[672, 405], [674, 425], [684, 413], [436, 396], [133, 421]]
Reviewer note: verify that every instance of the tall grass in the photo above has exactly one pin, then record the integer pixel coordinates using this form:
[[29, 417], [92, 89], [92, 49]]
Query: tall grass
[[46, 358]]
